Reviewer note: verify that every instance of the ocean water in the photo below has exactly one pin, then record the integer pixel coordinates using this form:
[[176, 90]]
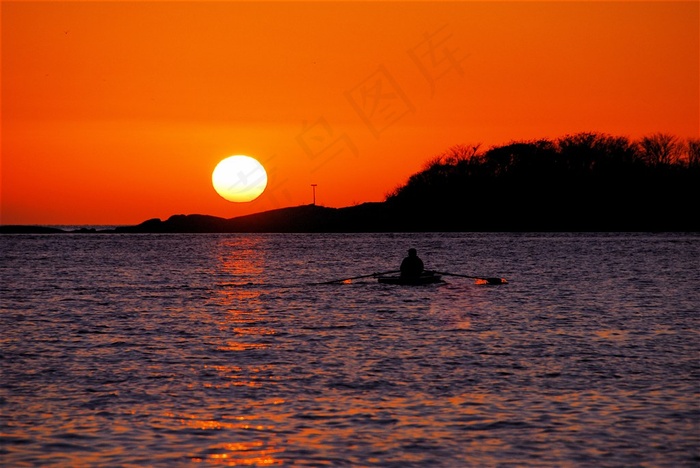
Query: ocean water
[[197, 350]]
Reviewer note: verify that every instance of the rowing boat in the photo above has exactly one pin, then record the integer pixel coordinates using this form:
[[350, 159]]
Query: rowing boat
[[425, 278]]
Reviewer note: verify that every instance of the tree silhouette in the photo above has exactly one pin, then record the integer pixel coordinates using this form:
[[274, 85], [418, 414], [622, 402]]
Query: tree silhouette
[[694, 153], [584, 181], [660, 148]]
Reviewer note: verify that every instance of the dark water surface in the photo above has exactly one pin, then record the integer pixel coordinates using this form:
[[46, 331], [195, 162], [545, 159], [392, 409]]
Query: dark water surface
[[191, 350]]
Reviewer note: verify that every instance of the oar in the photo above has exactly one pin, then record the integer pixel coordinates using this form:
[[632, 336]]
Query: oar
[[358, 277], [488, 280]]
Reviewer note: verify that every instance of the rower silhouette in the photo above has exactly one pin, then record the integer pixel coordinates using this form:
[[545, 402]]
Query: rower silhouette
[[411, 266]]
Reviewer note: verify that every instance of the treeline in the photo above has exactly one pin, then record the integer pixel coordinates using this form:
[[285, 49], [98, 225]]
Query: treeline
[[580, 182]]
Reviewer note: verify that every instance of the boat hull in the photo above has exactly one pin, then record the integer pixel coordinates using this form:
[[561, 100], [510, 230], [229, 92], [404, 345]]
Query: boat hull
[[423, 279]]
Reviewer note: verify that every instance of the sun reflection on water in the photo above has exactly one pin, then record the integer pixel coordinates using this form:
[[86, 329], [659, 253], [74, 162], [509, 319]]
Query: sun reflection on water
[[241, 264], [238, 346], [254, 453], [242, 255]]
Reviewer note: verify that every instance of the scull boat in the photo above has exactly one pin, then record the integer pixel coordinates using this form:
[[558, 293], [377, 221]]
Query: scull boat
[[425, 278]]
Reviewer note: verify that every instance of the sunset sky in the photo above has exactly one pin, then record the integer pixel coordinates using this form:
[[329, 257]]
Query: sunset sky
[[114, 113]]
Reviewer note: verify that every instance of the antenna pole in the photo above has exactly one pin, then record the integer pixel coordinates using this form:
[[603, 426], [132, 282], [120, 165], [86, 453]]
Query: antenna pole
[[313, 187]]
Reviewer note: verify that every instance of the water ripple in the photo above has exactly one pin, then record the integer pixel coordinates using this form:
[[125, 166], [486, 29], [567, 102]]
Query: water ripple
[[181, 350]]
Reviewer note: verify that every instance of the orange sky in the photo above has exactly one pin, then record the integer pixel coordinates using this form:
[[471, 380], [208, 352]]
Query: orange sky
[[114, 113]]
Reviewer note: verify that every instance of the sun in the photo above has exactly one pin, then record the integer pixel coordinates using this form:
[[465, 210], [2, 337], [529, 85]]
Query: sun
[[239, 178]]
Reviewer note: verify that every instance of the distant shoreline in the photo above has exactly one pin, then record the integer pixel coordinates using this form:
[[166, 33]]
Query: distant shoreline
[[375, 217]]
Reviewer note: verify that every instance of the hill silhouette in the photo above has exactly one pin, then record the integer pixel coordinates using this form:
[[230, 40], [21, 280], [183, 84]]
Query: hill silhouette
[[581, 182], [305, 218]]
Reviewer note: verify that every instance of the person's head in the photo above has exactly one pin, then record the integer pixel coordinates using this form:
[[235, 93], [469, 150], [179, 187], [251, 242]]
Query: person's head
[[412, 252]]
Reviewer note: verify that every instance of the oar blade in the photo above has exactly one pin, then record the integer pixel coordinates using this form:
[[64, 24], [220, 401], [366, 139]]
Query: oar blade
[[491, 281]]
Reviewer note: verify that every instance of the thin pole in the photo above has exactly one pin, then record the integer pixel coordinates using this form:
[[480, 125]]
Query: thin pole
[[313, 186]]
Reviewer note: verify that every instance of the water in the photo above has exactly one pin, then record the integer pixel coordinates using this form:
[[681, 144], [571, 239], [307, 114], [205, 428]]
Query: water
[[191, 350]]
